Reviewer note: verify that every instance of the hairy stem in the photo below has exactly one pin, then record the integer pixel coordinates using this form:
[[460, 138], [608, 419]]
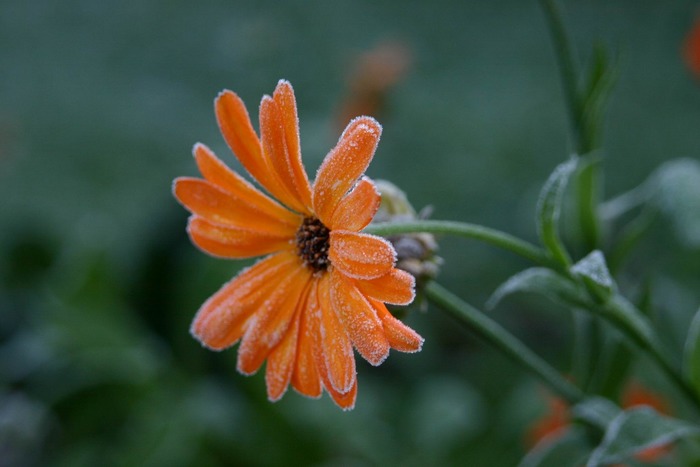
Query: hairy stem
[[462, 229]]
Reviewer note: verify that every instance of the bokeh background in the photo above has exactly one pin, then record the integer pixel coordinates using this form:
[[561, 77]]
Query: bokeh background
[[100, 104]]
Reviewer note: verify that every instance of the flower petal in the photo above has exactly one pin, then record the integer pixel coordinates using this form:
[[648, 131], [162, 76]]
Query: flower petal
[[306, 379], [232, 242], [219, 322], [400, 336], [281, 362], [236, 128], [223, 177], [357, 208], [345, 401], [344, 165], [215, 205], [286, 102], [396, 287], [272, 133], [270, 323], [335, 345], [359, 318], [361, 256]]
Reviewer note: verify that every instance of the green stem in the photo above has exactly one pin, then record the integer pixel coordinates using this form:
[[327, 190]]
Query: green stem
[[588, 195], [500, 338], [466, 230]]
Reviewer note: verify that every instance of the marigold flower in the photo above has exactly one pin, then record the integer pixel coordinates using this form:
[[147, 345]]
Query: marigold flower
[[322, 288]]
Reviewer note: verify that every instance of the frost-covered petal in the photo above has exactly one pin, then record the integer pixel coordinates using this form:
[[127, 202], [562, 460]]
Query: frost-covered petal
[[357, 208], [271, 321], [280, 363], [344, 400], [361, 256], [306, 379], [344, 165], [400, 336], [335, 344], [237, 129], [359, 319], [232, 242], [272, 134], [286, 102], [216, 172], [396, 287], [216, 205], [219, 322]]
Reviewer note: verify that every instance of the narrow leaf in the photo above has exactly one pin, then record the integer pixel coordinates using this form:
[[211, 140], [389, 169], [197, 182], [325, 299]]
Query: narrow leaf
[[549, 208], [541, 281], [638, 429], [596, 411], [692, 353], [593, 270]]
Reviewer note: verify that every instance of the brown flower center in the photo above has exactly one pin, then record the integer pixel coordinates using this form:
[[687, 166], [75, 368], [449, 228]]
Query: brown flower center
[[313, 242]]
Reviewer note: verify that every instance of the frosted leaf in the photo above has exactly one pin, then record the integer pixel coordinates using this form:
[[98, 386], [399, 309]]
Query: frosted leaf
[[594, 268], [542, 281]]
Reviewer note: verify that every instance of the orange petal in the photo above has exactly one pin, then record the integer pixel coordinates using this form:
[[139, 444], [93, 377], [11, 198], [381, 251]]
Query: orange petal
[[400, 336], [361, 256], [336, 347], [232, 242], [396, 287], [215, 205], [306, 379], [344, 165], [269, 324], [281, 362], [220, 175], [286, 102], [238, 132], [345, 401], [360, 319], [272, 133], [219, 321], [357, 208]]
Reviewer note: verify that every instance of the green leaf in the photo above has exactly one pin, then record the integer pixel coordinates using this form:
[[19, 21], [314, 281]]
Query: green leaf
[[568, 449], [597, 411], [600, 82], [635, 430], [692, 353], [549, 208], [541, 281], [595, 274]]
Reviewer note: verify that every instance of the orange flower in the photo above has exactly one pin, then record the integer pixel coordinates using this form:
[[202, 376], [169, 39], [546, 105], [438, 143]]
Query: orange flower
[[691, 49], [322, 288], [557, 419]]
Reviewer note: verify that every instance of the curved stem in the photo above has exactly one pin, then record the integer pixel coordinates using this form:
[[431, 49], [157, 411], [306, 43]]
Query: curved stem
[[500, 338], [466, 230]]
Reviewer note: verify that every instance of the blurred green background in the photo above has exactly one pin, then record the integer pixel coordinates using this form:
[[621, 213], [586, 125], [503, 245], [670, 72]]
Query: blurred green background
[[100, 104]]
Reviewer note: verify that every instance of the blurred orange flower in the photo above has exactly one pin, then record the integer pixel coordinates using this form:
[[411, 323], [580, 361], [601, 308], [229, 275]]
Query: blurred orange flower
[[691, 49], [557, 419], [376, 71], [322, 288]]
